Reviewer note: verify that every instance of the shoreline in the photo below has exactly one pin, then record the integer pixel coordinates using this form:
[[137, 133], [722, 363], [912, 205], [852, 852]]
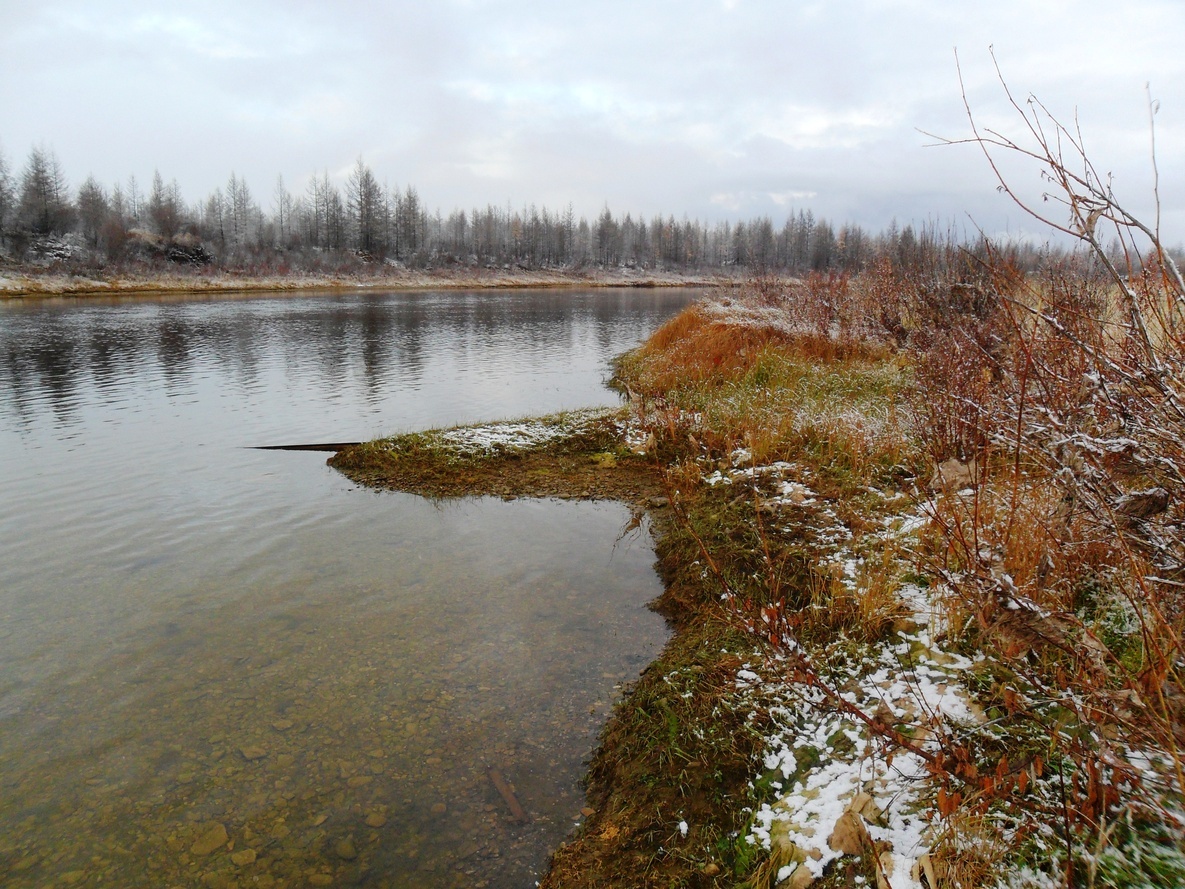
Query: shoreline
[[634, 773], [829, 710], [30, 284]]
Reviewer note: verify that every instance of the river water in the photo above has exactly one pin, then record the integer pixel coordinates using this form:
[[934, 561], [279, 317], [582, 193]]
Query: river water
[[231, 667]]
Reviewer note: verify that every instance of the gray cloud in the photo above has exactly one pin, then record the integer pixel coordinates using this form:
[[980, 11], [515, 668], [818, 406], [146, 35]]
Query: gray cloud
[[713, 109]]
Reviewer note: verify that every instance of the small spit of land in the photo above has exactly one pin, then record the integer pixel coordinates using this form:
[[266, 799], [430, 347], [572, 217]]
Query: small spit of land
[[920, 537]]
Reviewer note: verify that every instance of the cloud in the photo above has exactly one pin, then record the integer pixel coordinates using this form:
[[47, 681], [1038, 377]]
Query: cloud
[[709, 109]]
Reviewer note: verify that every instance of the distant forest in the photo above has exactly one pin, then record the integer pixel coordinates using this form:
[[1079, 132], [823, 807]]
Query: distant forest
[[43, 221]]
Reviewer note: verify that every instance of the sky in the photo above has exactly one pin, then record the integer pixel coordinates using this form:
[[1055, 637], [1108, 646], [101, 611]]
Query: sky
[[713, 109]]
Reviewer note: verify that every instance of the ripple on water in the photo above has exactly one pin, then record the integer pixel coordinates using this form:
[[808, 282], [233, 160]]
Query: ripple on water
[[229, 667]]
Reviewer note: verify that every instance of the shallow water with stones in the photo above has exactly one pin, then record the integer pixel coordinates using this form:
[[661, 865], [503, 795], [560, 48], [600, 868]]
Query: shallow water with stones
[[229, 667]]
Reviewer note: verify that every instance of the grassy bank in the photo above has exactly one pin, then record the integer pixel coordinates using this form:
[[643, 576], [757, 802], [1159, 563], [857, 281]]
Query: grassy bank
[[30, 282], [921, 541]]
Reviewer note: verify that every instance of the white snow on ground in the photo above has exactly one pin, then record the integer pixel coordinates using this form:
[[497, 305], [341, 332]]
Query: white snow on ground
[[915, 683], [515, 435], [830, 765]]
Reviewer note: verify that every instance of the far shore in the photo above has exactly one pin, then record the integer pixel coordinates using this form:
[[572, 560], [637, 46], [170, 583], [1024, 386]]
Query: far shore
[[32, 283]]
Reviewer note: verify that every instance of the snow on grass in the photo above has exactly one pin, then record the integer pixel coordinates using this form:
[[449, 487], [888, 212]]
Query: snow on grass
[[836, 785], [831, 767], [517, 435]]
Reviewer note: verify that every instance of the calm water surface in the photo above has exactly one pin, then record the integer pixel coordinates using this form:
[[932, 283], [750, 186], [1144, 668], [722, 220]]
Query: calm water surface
[[228, 667]]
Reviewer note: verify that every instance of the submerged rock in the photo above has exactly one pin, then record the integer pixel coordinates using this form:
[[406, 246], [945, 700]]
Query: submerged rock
[[212, 839]]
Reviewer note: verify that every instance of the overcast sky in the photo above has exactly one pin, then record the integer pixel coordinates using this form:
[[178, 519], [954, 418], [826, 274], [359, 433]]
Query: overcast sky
[[720, 109]]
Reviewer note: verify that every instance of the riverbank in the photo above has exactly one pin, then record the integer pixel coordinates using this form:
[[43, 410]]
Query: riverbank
[[683, 778], [37, 283], [899, 659], [671, 753]]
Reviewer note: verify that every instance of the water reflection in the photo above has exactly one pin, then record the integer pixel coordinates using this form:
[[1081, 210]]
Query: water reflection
[[386, 341], [196, 637]]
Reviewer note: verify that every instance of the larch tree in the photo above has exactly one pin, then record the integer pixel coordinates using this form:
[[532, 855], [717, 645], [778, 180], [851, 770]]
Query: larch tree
[[44, 207], [7, 198], [366, 205], [134, 203], [241, 211], [164, 207], [282, 205], [94, 209]]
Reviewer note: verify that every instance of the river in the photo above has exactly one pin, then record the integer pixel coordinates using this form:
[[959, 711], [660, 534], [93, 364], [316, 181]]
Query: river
[[223, 667]]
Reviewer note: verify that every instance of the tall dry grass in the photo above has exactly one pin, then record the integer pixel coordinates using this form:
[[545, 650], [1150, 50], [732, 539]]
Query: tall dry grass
[[1059, 557]]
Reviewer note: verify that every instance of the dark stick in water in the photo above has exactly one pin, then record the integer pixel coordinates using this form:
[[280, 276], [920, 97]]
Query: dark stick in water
[[516, 809], [326, 446]]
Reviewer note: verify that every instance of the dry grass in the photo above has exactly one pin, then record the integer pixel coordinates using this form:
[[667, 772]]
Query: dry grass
[[1059, 560]]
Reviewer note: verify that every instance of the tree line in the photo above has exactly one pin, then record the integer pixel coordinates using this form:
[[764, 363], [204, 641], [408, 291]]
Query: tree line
[[43, 219]]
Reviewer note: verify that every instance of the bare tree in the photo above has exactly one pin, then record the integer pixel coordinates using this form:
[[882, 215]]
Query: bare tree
[[214, 222], [164, 207], [242, 214], [134, 203], [282, 213], [1090, 207]]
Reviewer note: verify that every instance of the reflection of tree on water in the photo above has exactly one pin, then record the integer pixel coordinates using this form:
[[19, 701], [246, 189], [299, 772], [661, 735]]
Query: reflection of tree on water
[[112, 356], [42, 367], [390, 342], [172, 348]]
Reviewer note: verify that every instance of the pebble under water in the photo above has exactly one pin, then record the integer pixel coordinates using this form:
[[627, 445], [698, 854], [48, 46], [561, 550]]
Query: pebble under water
[[232, 668]]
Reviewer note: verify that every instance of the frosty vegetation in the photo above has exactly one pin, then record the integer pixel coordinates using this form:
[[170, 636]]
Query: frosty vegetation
[[946, 501], [369, 227]]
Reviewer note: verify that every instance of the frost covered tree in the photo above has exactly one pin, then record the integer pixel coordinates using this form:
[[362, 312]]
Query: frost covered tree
[[94, 211], [608, 238], [44, 207], [165, 207], [409, 223], [6, 198], [324, 218], [366, 205], [282, 208], [213, 225], [134, 203], [241, 213]]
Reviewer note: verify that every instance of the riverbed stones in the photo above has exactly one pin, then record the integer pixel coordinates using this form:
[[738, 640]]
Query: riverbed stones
[[243, 858], [212, 838], [271, 767]]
